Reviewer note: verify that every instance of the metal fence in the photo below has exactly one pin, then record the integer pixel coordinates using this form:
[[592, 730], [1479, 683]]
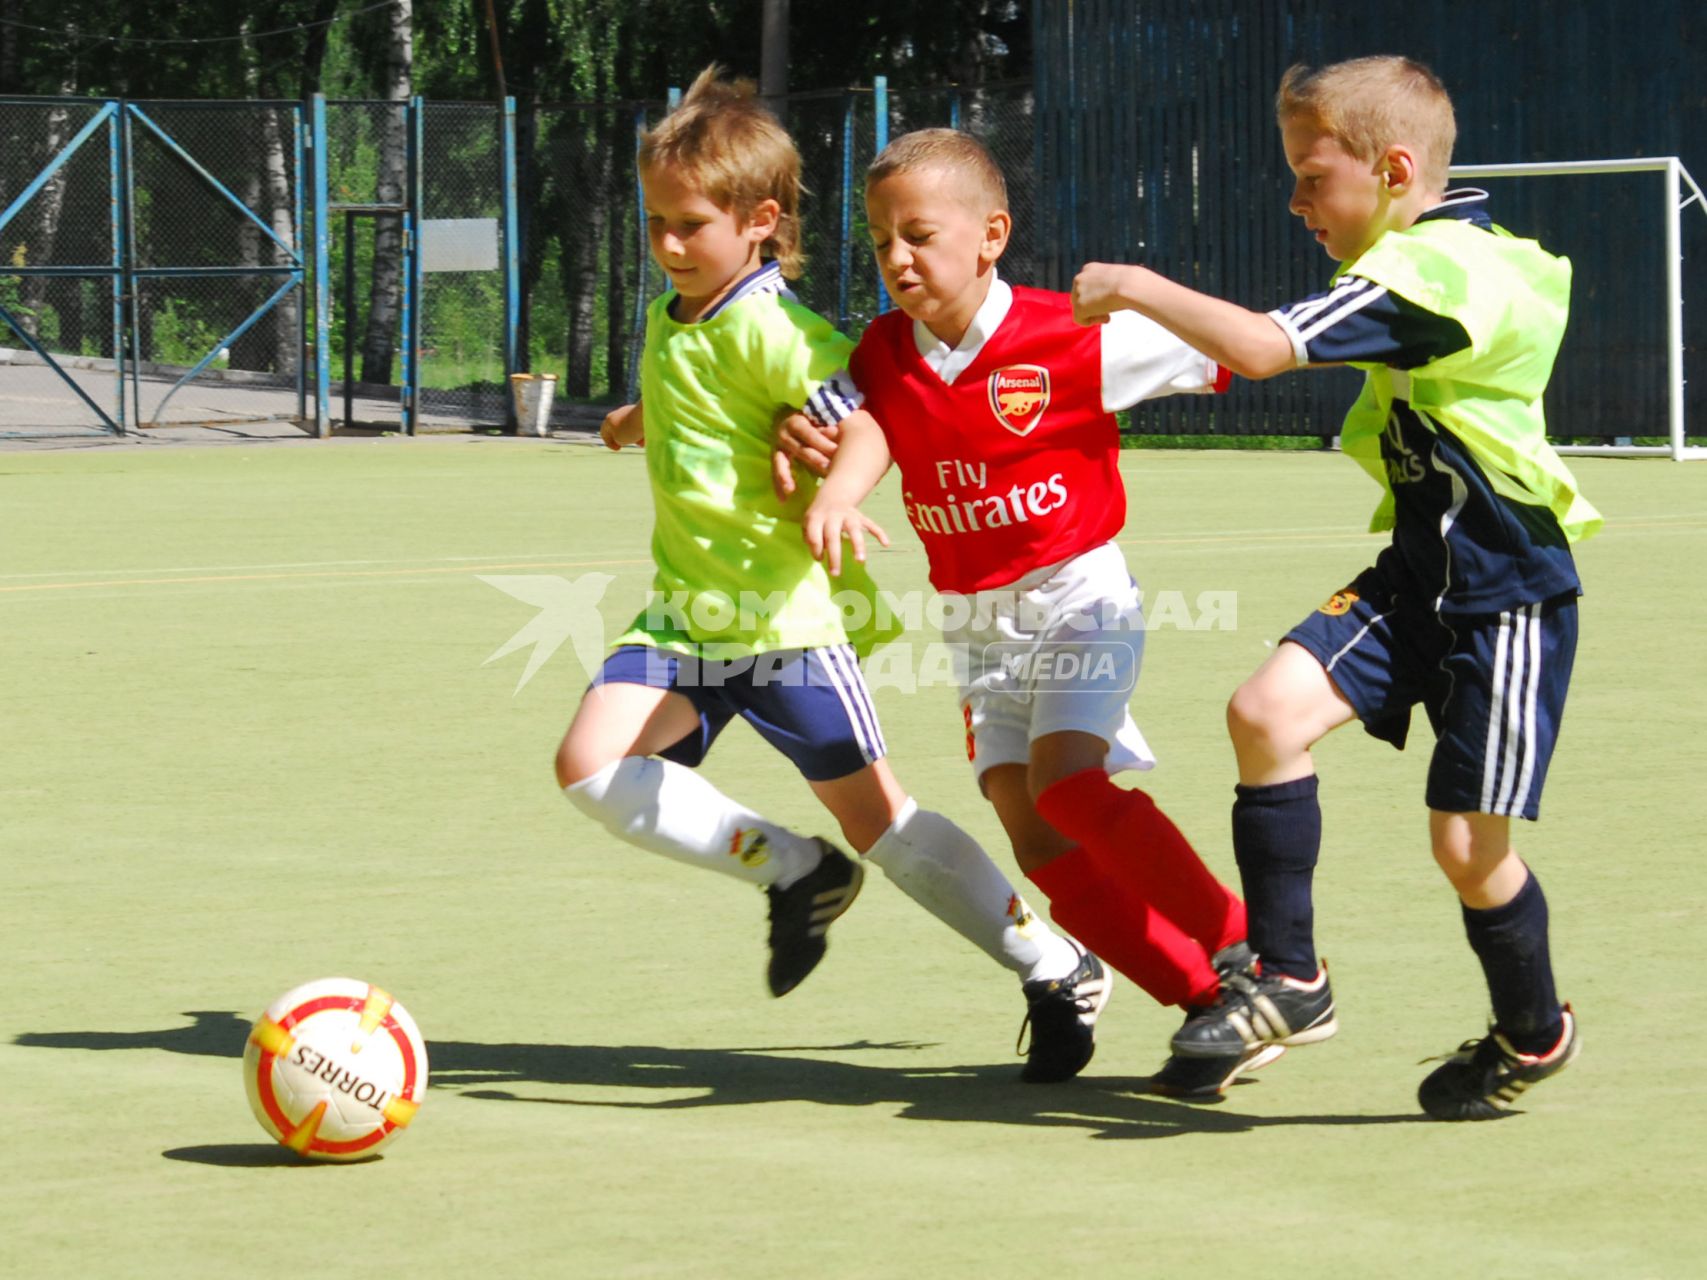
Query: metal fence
[[1157, 144], [228, 261], [290, 260]]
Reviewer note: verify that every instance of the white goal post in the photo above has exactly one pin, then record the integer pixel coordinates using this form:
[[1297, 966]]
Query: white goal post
[[1676, 178]]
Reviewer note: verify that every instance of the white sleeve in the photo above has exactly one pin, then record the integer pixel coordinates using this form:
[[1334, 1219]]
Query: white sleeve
[[835, 398], [1142, 360]]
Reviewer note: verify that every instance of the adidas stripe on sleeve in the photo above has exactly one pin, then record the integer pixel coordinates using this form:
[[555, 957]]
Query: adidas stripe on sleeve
[[1360, 321]]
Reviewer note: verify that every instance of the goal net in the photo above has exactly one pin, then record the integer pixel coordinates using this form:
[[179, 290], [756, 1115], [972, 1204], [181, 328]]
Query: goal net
[[1631, 350]]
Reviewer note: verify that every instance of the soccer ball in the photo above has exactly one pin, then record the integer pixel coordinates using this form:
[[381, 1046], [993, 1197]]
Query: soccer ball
[[335, 1069]]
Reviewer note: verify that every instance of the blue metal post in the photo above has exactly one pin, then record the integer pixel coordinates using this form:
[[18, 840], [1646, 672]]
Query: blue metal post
[[641, 273], [954, 108], [845, 264], [301, 271], [880, 119], [514, 361], [322, 274], [414, 281], [129, 144], [115, 191]]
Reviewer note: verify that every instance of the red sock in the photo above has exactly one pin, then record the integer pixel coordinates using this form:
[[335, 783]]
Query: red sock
[[1137, 845], [1129, 935]]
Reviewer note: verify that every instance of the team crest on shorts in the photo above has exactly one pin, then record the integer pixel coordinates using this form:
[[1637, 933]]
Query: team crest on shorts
[[1019, 394], [1339, 603]]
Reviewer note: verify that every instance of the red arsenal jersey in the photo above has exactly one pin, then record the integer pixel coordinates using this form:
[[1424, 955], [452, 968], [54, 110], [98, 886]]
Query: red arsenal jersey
[[1014, 465]]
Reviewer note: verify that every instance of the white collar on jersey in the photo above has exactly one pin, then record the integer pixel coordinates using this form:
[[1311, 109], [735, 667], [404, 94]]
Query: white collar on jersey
[[767, 279], [949, 363]]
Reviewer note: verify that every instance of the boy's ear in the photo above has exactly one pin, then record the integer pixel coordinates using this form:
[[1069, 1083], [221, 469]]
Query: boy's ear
[[762, 221], [998, 226], [1399, 169]]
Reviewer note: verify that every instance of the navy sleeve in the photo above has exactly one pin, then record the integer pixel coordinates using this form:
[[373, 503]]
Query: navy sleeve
[[1363, 321]]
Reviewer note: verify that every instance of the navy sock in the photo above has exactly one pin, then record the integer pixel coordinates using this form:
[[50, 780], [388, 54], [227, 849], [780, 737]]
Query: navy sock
[[1511, 943], [1277, 833]]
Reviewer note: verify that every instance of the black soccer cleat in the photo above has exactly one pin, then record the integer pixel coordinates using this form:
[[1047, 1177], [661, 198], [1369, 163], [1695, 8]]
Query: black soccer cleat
[[1486, 1076], [1183, 1077], [1062, 1015], [1254, 1009], [801, 915], [1235, 957]]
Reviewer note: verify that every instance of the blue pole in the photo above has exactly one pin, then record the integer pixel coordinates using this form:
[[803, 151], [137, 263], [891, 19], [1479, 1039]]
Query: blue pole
[[414, 280], [954, 108], [641, 273], [880, 113], [301, 261], [322, 272], [845, 264], [115, 190], [514, 361], [129, 143]]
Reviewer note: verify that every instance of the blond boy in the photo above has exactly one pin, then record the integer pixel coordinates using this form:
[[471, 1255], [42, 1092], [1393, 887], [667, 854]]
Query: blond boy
[[1471, 610], [998, 410], [743, 622]]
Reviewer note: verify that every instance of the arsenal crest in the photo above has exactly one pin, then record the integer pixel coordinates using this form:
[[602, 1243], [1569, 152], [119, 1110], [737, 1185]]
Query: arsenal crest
[[1018, 396]]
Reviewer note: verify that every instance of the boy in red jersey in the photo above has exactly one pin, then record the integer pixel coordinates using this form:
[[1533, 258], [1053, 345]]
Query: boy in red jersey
[[998, 409]]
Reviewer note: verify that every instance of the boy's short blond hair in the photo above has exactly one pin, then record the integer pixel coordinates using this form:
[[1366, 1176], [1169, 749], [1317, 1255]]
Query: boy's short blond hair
[[723, 140], [951, 150], [1369, 104]]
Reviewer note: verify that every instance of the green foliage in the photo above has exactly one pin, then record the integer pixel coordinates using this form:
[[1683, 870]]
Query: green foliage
[[182, 334]]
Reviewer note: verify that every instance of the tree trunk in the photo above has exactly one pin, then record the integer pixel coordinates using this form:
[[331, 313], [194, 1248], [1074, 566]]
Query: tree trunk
[[49, 205], [773, 55], [583, 230], [286, 323], [528, 185], [386, 294], [314, 48], [10, 37], [618, 323]]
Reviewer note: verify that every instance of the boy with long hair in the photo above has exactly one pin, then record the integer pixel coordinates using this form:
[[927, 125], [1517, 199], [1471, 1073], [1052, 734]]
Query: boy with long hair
[[743, 622]]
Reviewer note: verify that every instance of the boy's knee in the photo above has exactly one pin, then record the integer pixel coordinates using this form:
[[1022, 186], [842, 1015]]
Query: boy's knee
[[1033, 855], [1471, 850], [573, 764], [1253, 714]]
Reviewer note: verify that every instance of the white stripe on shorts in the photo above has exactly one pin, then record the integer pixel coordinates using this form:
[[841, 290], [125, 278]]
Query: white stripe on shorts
[[842, 667], [1350, 644], [1508, 761], [1531, 694]]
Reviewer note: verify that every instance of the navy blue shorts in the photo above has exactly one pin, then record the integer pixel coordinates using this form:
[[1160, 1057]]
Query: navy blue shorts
[[1493, 685], [810, 704]]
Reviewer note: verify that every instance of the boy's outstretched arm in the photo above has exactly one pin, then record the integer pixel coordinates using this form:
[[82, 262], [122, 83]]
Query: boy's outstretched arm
[[1247, 342], [623, 425], [801, 439], [861, 458]]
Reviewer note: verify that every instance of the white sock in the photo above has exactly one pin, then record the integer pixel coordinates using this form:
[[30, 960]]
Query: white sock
[[944, 870], [665, 808]]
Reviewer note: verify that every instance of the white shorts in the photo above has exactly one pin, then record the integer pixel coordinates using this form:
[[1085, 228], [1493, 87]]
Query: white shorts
[[1059, 649]]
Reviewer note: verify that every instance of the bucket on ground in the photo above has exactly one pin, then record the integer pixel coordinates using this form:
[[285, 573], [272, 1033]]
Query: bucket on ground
[[533, 393]]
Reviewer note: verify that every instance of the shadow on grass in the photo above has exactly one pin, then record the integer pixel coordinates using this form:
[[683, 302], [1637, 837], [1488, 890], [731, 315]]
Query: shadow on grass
[[1109, 1107], [254, 1155]]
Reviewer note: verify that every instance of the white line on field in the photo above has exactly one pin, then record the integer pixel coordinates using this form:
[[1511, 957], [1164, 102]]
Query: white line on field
[[1229, 540]]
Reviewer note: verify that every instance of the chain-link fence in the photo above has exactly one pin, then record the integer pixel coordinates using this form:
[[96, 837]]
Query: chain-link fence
[[219, 204], [585, 271], [59, 287], [216, 220], [1157, 144], [463, 370]]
